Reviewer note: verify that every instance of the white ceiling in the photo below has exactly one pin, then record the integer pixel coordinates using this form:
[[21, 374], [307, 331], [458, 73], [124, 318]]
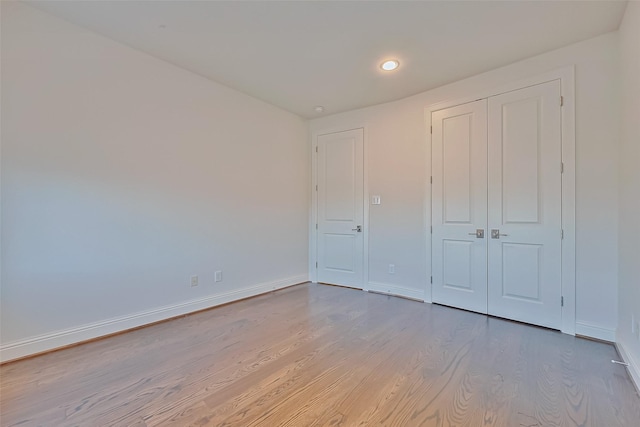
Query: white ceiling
[[300, 54]]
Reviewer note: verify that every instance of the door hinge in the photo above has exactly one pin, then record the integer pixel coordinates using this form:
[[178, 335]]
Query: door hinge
[[431, 229], [316, 148], [562, 101], [316, 226], [431, 279], [431, 179], [431, 130], [561, 234], [316, 264], [561, 301], [561, 167], [316, 188]]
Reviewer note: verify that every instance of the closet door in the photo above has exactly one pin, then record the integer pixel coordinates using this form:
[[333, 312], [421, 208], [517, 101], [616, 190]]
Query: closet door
[[459, 206], [524, 194]]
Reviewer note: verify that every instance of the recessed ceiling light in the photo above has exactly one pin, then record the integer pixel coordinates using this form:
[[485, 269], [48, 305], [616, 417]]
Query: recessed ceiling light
[[318, 109], [390, 65]]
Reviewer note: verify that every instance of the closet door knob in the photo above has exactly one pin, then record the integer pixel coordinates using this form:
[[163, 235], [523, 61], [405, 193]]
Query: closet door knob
[[479, 233], [495, 234]]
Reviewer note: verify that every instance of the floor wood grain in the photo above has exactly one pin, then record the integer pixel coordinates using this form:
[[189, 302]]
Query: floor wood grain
[[315, 355]]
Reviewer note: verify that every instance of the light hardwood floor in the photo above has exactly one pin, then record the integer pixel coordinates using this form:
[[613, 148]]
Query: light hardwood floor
[[316, 355]]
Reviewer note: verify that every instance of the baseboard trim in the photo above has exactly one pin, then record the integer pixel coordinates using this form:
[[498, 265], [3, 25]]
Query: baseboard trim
[[387, 289], [632, 368], [64, 338], [593, 331]]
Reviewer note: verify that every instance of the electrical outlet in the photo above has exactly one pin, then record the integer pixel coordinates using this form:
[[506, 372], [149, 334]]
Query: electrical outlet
[[218, 276], [392, 268], [194, 281]]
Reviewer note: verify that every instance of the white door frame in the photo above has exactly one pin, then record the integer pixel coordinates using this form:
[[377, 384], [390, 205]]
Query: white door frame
[[566, 75], [313, 233]]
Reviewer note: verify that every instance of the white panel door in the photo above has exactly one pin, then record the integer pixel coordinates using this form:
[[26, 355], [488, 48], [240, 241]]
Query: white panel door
[[524, 173], [459, 206], [341, 208]]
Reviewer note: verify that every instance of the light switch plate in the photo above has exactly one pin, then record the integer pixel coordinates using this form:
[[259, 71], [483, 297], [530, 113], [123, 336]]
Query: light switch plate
[[375, 200]]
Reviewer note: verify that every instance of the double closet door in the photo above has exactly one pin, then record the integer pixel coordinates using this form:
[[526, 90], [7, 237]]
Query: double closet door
[[496, 205]]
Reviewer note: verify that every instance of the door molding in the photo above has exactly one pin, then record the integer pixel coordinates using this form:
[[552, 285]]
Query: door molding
[[566, 75], [313, 235]]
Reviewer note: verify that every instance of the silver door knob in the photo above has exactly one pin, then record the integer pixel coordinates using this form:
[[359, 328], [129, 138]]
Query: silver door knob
[[495, 234], [358, 229], [479, 233]]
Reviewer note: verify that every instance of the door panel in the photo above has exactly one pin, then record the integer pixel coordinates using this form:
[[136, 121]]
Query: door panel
[[520, 160], [521, 271], [456, 169], [339, 250], [340, 182], [459, 206], [457, 265], [341, 208], [525, 205]]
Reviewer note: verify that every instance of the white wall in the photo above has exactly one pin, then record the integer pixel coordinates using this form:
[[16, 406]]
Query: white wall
[[629, 225], [122, 176], [397, 171]]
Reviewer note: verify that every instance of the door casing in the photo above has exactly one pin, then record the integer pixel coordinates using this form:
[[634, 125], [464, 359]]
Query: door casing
[[478, 188], [566, 76]]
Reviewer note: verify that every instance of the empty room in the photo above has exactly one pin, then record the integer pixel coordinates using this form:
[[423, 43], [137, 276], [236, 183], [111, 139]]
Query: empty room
[[319, 213]]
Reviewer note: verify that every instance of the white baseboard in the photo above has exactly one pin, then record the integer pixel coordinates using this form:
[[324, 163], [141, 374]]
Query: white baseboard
[[385, 288], [51, 341], [634, 365], [593, 331]]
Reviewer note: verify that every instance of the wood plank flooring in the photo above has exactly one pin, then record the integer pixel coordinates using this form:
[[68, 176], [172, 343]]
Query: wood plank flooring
[[315, 355]]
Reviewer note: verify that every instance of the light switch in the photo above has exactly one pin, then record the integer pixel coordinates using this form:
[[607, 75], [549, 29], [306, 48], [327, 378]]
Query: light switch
[[375, 200]]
